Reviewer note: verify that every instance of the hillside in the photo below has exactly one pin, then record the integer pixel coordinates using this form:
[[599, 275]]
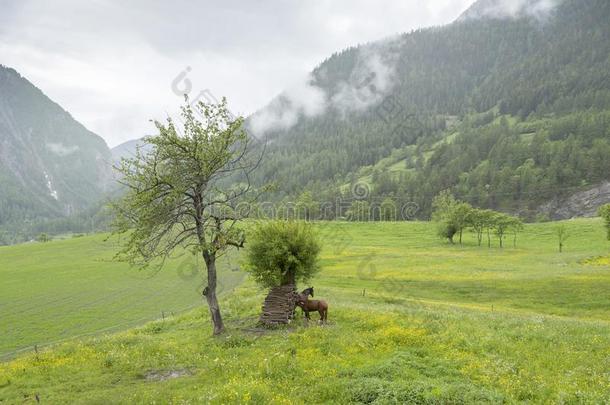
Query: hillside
[[50, 165], [508, 109], [128, 149], [83, 291], [411, 320]]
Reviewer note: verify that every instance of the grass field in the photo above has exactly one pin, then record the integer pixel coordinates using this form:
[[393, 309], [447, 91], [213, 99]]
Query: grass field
[[412, 320], [66, 288]]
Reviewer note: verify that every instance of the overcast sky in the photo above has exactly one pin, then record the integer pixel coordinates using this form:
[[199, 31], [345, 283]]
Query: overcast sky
[[112, 63]]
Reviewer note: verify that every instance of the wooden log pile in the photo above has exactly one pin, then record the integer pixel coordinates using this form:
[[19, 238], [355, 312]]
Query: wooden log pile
[[279, 305]]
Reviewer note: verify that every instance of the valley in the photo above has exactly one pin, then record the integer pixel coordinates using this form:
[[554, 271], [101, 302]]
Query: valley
[[410, 317]]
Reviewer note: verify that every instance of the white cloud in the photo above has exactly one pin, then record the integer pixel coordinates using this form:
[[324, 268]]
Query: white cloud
[[302, 99], [502, 9], [111, 63], [61, 149], [371, 79]]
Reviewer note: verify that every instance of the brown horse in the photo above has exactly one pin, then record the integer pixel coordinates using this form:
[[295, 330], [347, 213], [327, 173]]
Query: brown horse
[[303, 301]]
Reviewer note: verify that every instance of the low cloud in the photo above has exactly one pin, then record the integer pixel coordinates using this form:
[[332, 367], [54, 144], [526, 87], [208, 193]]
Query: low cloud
[[370, 80], [503, 9], [302, 99], [61, 150]]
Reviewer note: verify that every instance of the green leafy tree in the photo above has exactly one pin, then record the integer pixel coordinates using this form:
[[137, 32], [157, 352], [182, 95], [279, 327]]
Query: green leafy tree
[[490, 223], [282, 252], [460, 217], [177, 194], [516, 227], [562, 235], [503, 223], [480, 220], [43, 237], [452, 216], [604, 212], [307, 208], [443, 207]]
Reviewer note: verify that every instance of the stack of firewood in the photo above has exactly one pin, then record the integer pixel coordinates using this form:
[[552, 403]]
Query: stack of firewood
[[278, 307]]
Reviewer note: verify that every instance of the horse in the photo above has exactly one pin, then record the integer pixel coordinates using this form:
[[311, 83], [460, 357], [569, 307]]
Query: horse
[[308, 291], [303, 301]]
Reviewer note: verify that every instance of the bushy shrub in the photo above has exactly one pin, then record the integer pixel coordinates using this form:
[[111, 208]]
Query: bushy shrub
[[282, 252]]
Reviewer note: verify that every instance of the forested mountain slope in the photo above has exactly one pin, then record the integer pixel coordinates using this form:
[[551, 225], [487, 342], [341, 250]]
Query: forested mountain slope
[[50, 165], [508, 108]]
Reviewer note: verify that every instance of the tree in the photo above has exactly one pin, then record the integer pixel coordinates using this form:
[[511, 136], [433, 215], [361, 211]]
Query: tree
[[443, 206], [43, 237], [501, 224], [282, 252], [461, 217], [562, 235], [604, 212], [479, 221], [177, 194], [451, 215], [516, 227], [307, 208]]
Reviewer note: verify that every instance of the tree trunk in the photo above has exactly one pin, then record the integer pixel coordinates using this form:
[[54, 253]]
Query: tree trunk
[[289, 278], [461, 237], [210, 294]]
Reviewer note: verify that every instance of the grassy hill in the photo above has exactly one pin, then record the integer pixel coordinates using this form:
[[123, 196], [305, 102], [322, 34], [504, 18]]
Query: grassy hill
[[411, 320], [66, 288]]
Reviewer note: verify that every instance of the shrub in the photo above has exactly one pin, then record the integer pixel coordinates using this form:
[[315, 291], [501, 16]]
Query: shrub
[[282, 252], [452, 216], [43, 237]]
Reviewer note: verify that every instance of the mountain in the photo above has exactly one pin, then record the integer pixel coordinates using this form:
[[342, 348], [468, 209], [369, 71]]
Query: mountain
[[51, 166], [508, 107], [128, 149]]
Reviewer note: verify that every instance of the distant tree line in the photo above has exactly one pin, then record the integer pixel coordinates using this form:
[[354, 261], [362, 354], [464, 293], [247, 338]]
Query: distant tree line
[[453, 217]]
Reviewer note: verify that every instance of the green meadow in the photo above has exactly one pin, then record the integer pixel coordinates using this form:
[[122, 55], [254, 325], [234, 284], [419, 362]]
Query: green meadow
[[411, 320], [53, 291]]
